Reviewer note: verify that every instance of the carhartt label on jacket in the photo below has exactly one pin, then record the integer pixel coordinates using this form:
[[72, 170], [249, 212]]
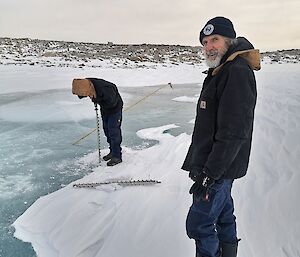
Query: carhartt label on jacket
[[203, 104]]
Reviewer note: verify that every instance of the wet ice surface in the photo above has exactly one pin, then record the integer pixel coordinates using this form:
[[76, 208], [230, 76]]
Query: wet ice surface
[[37, 131]]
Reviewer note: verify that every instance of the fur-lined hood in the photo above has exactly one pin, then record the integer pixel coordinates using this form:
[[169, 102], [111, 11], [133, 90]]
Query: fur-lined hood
[[244, 49]]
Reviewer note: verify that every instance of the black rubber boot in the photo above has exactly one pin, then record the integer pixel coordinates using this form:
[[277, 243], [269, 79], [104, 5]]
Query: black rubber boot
[[229, 249], [107, 157], [114, 161]]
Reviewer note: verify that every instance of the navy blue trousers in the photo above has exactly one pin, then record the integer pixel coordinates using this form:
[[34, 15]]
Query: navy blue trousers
[[112, 130], [211, 222]]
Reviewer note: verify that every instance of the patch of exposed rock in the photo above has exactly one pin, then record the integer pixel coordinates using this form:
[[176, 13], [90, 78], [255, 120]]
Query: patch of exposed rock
[[25, 51]]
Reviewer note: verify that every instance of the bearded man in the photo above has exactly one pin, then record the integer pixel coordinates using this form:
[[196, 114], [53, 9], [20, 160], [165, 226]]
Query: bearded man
[[221, 140]]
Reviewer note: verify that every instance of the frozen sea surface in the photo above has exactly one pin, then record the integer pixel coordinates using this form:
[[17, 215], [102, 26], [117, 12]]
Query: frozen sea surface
[[37, 131], [266, 200]]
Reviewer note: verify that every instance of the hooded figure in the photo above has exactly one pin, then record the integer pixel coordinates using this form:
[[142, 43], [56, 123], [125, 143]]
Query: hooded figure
[[105, 94], [221, 140], [111, 104]]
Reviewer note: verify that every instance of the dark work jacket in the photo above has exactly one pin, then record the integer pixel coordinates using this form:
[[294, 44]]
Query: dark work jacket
[[222, 135], [108, 96]]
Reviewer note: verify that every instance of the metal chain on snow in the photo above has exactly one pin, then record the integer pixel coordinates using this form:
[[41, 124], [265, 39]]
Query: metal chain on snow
[[98, 129], [119, 182]]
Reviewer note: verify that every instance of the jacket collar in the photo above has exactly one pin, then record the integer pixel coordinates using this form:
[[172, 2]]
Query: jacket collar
[[244, 49], [252, 57]]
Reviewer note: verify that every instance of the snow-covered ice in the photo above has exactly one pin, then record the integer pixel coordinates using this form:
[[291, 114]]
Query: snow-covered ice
[[150, 221]]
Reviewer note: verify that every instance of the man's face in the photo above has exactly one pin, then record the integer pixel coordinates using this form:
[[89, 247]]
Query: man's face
[[214, 48]]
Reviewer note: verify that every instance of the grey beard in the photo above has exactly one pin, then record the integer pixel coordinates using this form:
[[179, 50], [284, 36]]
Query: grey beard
[[215, 63]]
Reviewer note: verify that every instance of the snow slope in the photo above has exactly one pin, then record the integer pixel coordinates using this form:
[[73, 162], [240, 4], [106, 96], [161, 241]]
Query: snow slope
[[47, 78], [149, 221]]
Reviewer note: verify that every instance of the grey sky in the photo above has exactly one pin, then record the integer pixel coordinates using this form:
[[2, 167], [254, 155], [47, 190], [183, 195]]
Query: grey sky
[[269, 25]]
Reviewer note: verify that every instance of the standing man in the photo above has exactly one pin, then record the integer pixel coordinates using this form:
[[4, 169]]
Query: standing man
[[105, 94], [221, 140]]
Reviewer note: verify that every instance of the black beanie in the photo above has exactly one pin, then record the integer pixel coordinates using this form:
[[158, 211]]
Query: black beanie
[[218, 25]]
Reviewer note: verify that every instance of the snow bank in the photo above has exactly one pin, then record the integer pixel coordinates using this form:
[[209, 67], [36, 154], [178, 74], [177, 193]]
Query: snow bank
[[109, 220], [46, 78]]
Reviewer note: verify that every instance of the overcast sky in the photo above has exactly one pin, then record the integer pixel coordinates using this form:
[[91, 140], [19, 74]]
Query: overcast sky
[[269, 24]]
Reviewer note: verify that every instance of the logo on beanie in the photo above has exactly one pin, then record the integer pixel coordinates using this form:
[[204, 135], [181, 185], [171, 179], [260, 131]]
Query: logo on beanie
[[208, 29]]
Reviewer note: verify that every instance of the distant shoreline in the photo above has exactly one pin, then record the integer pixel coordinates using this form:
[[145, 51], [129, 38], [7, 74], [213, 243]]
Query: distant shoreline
[[52, 53]]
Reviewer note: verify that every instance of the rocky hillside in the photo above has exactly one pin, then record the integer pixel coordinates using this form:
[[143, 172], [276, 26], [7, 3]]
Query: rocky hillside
[[47, 53], [282, 56]]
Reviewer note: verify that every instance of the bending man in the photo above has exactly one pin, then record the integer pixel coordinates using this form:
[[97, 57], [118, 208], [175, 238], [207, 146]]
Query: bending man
[[105, 94]]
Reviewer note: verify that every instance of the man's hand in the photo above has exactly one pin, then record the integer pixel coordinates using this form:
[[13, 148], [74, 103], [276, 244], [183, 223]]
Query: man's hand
[[202, 183]]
